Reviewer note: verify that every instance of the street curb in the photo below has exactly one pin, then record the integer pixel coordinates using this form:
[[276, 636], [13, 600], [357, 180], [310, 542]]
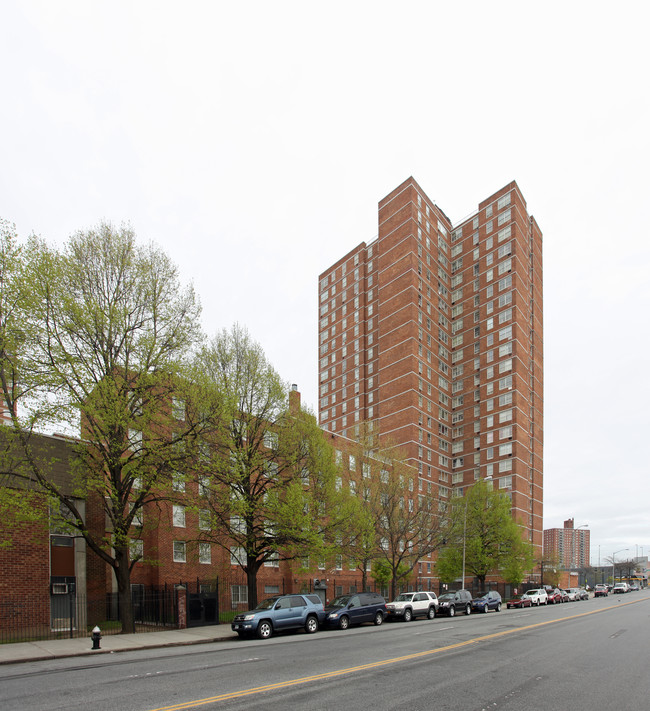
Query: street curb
[[98, 652]]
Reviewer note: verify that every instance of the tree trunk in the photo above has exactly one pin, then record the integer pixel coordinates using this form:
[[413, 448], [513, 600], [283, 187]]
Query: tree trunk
[[123, 576], [251, 581]]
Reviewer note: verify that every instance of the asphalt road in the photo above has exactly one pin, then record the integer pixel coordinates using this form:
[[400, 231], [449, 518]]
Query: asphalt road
[[577, 656]]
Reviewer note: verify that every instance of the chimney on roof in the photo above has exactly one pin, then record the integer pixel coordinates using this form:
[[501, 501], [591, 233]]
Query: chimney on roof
[[294, 400]]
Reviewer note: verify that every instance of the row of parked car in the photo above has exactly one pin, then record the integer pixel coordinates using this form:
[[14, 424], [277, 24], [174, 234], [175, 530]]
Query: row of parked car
[[548, 596], [285, 612]]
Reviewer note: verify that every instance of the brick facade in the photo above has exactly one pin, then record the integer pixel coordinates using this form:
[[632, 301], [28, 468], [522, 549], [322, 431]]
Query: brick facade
[[434, 332]]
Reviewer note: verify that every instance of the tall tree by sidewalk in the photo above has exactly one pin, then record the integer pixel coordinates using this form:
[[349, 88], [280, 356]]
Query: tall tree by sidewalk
[[267, 478], [486, 535], [98, 343], [397, 524]]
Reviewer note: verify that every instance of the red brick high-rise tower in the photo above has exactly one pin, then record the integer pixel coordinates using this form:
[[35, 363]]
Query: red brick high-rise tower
[[433, 332]]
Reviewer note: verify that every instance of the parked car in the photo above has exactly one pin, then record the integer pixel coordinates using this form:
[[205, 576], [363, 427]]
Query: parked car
[[538, 596], [484, 601], [410, 605], [283, 612], [554, 597], [519, 601], [355, 609], [634, 587], [564, 595], [455, 601], [601, 591], [578, 593], [571, 594], [621, 588]]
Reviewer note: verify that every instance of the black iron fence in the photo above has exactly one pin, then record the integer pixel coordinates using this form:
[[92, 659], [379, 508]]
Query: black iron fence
[[212, 601], [73, 614]]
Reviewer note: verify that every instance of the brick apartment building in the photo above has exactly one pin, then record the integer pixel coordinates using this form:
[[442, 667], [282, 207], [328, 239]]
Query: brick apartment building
[[434, 332], [43, 566], [571, 545]]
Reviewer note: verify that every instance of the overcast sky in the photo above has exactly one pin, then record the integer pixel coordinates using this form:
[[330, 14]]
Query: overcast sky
[[252, 141]]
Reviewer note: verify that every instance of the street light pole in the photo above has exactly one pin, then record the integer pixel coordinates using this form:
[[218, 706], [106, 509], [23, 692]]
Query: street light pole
[[462, 584]]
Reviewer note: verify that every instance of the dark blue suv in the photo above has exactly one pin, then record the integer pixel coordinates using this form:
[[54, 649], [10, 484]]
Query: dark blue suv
[[355, 609], [484, 601], [283, 612]]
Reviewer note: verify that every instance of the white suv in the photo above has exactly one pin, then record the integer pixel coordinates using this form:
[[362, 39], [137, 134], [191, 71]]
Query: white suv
[[539, 597], [409, 605]]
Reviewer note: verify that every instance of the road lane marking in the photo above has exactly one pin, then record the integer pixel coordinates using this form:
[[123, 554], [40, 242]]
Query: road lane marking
[[374, 665]]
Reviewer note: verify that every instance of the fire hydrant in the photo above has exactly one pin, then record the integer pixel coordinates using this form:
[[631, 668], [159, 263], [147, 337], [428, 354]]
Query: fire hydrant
[[96, 636]]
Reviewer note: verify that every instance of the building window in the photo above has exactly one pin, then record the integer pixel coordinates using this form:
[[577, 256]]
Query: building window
[[239, 594], [204, 520], [178, 481], [205, 553], [178, 409], [270, 440], [178, 516], [135, 439], [136, 549], [238, 556], [179, 552]]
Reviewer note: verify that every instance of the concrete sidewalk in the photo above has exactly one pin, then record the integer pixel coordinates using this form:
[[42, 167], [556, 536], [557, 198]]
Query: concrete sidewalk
[[55, 648]]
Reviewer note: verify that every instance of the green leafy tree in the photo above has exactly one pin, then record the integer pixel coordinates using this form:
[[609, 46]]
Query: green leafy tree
[[99, 342], [382, 573], [268, 478], [359, 538], [519, 562], [485, 535], [401, 525]]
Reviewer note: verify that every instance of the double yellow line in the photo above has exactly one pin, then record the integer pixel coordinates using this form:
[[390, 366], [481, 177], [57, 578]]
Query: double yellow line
[[374, 665]]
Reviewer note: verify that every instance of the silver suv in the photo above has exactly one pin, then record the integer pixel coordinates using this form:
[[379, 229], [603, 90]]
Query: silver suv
[[410, 605]]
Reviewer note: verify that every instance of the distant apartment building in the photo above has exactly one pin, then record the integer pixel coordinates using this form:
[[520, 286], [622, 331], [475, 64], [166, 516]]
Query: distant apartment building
[[433, 333], [571, 545]]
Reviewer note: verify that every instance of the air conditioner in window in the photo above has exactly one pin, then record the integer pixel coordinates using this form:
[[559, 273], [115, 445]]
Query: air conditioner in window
[[60, 588]]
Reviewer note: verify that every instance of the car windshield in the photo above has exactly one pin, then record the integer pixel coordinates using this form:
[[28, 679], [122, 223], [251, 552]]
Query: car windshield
[[404, 597], [483, 595], [340, 601], [446, 596], [267, 604], [517, 597]]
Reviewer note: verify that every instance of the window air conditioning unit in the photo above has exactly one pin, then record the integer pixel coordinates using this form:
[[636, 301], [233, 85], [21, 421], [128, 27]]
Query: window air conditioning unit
[[60, 588]]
